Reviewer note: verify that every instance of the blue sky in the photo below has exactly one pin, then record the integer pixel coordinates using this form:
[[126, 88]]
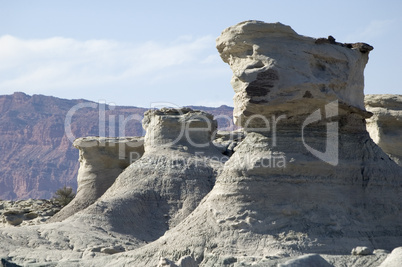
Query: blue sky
[[141, 52]]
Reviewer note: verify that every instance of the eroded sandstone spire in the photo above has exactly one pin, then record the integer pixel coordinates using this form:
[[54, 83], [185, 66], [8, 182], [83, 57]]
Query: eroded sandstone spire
[[277, 71], [307, 178], [156, 192], [102, 159]]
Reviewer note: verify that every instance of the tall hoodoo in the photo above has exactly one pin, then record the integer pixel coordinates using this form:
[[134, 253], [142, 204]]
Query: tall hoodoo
[[307, 177], [102, 159], [157, 191], [277, 71]]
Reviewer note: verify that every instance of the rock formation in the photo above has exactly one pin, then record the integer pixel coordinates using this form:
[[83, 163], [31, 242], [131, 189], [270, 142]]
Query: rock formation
[[167, 183], [153, 194], [101, 161], [298, 183], [385, 126], [26, 212], [37, 158], [227, 141], [305, 178], [269, 80]]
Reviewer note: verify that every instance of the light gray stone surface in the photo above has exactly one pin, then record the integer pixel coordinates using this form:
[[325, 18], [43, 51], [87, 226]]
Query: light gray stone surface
[[310, 260], [385, 126], [275, 198], [394, 259], [150, 196], [102, 159], [276, 70], [362, 251], [273, 201]]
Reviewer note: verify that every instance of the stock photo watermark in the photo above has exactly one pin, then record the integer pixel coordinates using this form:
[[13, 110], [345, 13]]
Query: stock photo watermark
[[190, 133]]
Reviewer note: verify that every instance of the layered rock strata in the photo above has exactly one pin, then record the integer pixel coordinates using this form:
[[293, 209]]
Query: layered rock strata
[[101, 161], [268, 79], [167, 183], [307, 178], [385, 126]]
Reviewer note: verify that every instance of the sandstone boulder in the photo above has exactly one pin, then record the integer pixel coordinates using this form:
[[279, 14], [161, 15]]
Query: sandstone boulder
[[385, 126], [187, 261], [362, 251], [227, 141]]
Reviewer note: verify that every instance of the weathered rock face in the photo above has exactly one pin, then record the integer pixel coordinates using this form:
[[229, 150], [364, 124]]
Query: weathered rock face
[[305, 185], [167, 183], [277, 71], [178, 128], [101, 161], [152, 195], [385, 126]]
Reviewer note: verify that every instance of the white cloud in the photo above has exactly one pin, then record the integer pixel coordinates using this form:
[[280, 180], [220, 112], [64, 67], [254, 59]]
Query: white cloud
[[375, 29], [59, 63]]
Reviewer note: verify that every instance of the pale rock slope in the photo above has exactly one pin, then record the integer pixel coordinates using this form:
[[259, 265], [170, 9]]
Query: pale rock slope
[[394, 259], [101, 159], [153, 194], [385, 126], [156, 192], [311, 182]]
